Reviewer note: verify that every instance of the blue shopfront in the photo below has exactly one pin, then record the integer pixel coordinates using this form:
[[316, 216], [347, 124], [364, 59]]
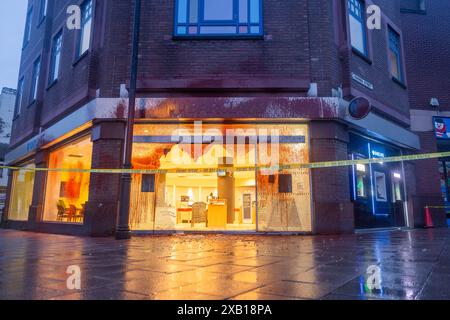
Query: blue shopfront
[[442, 132], [377, 189]]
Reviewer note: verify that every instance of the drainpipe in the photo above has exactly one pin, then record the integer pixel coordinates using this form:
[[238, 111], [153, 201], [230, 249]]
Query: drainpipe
[[123, 226]]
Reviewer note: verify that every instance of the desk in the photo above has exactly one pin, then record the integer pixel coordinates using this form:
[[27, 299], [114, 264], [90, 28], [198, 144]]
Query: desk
[[217, 214], [184, 214]]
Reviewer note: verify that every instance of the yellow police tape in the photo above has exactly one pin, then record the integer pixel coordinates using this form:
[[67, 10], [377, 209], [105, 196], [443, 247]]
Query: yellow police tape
[[281, 167]]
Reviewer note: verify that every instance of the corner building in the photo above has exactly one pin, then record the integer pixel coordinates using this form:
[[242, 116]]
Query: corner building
[[207, 68]]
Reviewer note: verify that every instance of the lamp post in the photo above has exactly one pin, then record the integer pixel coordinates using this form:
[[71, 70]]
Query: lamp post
[[123, 226]]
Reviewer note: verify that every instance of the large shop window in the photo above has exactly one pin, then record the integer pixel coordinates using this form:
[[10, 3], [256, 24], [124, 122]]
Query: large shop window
[[21, 193], [67, 192], [218, 18], [220, 201]]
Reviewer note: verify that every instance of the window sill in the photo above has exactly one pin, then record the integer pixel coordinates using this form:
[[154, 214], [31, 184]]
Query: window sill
[[52, 84], [418, 11], [399, 82], [64, 223], [362, 56], [218, 37], [79, 58]]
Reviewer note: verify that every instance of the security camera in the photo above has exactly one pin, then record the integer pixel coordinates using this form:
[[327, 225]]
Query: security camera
[[434, 102]]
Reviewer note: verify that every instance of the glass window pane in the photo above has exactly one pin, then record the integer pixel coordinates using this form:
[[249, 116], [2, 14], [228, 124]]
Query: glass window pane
[[357, 34], [243, 29], [34, 87], [181, 30], [394, 65], [254, 29], [193, 9], [221, 10], [19, 98], [67, 192], [21, 194], [85, 37], [56, 66], [243, 11], [254, 11], [218, 30], [182, 11], [56, 56], [193, 30]]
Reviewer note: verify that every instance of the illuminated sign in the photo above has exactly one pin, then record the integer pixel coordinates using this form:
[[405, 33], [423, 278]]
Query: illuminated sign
[[377, 154], [441, 127], [360, 167]]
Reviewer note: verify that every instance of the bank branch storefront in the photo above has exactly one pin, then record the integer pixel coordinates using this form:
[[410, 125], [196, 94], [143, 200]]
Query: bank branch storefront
[[221, 173], [378, 190], [205, 198]]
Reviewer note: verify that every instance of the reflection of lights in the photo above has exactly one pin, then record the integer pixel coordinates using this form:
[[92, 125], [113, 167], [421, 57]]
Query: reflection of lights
[[360, 167], [397, 175], [190, 194]]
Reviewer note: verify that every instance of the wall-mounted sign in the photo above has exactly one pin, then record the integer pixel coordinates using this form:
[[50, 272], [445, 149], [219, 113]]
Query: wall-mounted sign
[[359, 108], [362, 81], [442, 127], [377, 154]]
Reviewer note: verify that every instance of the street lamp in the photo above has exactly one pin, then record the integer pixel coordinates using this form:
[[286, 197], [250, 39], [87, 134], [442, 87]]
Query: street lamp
[[123, 226]]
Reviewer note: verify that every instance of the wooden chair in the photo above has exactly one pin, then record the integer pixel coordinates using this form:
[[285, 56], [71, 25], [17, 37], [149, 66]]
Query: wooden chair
[[63, 211], [199, 213], [79, 217]]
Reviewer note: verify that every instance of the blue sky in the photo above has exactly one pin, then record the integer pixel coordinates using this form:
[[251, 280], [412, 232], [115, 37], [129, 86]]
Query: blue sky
[[12, 24]]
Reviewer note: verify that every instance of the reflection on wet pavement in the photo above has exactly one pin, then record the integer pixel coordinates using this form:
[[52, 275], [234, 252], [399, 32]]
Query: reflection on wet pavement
[[412, 265]]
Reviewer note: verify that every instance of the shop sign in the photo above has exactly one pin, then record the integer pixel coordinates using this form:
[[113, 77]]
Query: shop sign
[[378, 154], [362, 81], [442, 127]]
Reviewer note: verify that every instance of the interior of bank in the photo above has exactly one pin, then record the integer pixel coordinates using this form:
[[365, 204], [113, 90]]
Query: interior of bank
[[228, 200]]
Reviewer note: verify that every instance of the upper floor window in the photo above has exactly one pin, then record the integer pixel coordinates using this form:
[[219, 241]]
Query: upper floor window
[[356, 15], [395, 56], [414, 6], [218, 18], [86, 27], [19, 97], [43, 5], [28, 23], [55, 57], [35, 79]]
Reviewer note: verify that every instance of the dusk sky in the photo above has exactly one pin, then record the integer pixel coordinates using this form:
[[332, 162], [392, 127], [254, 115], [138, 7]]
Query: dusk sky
[[12, 23]]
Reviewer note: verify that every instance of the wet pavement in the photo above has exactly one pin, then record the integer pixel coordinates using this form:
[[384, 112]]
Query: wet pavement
[[412, 265]]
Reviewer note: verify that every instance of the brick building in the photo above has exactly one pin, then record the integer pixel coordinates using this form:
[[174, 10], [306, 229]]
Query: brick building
[[210, 72], [7, 100], [427, 45]]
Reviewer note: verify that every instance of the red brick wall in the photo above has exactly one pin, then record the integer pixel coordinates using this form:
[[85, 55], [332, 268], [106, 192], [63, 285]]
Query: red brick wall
[[386, 92], [333, 210], [302, 41], [427, 54]]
